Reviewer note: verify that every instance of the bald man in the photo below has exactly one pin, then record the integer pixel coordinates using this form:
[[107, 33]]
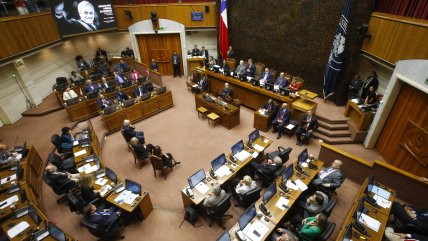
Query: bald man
[[331, 177]]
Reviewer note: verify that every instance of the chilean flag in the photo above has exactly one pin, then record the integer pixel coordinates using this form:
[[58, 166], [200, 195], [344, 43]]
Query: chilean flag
[[223, 31]]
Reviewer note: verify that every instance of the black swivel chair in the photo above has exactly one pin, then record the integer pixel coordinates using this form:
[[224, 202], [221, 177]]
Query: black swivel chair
[[112, 232], [56, 141], [63, 163], [268, 179], [330, 191], [283, 153], [218, 211], [325, 235], [76, 202], [330, 205], [61, 189], [248, 198]]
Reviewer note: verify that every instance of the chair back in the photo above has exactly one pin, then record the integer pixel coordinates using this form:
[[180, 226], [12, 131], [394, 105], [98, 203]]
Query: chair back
[[328, 231], [330, 205], [284, 153], [231, 62], [249, 197], [260, 67], [93, 228], [221, 207], [62, 189], [55, 159], [75, 203], [56, 141], [133, 152], [157, 163], [236, 102]]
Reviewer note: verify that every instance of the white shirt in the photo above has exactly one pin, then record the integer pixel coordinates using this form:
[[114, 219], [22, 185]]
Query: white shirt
[[69, 95], [326, 172], [241, 189]]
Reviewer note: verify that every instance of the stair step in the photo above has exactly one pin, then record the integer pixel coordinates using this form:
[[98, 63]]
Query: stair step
[[331, 126], [338, 120], [333, 133], [333, 140]]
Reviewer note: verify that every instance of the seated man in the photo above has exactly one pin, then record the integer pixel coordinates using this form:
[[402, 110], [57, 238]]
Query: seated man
[[331, 177], [119, 78], [103, 102], [104, 83], [89, 88], [127, 53], [227, 92], [75, 77], [122, 66], [250, 69], [58, 178], [154, 65], [202, 85], [309, 123], [269, 167], [240, 187], [266, 77], [215, 196], [269, 107], [139, 90], [101, 216], [280, 82], [412, 219], [282, 118], [241, 69], [7, 157], [224, 66], [371, 96], [68, 94], [120, 95], [391, 235], [82, 64], [129, 132]]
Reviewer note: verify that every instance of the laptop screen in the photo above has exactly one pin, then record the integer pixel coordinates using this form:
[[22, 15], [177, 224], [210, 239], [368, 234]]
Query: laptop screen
[[254, 135], [348, 233], [111, 175], [288, 172], [133, 186], [370, 183], [34, 215], [218, 162], [270, 192], [238, 147], [56, 233], [224, 237], [196, 178], [247, 216], [303, 156]]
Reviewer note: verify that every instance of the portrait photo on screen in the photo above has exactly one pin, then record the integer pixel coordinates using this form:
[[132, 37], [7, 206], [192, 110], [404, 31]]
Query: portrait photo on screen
[[83, 16]]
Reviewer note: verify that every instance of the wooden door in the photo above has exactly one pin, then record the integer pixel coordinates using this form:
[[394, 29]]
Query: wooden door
[[159, 47], [403, 141]]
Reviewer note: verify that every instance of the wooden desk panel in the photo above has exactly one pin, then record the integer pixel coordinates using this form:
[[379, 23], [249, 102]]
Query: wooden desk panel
[[78, 111], [362, 120], [262, 122], [228, 118], [144, 204]]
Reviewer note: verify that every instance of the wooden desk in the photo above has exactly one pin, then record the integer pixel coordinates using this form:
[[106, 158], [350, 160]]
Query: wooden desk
[[144, 204], [228, 118], [262, 122], [193, 63], [8, 211], [12, 172], [250, 96], [138, 111], [362, 120], [301, 106], [270, 225]]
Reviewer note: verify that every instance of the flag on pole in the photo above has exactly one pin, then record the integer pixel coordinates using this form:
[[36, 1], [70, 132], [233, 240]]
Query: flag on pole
[[223, 30], [335, 60]]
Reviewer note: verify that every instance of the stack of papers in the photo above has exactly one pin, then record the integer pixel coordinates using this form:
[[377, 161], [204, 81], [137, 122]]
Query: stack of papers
[[127, 197], [105, 189], [6, 203], [355, 101], [242, 155], [290, 126], [257, 231], [222, 171], [75, 143], [382, 201], [8, 179], [290, 185], [79, 153], [282, 202], [259, 147], [87, 168], [202, 188], [101, 181], [255, 154], [17, 229], [370, 222], [301, 185]]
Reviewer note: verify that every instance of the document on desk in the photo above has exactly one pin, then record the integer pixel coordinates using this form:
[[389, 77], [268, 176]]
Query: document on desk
[[75, 143], [105, 189], [87, 168], [223, 171], [8, 179], [242, 155], [202, 188], [17, 229], [382, 201], [370, 222], [290, 185], [256, 231], [282, 202], [79, 153], [290, 126], [301, 185], [6, 203], [255, 154], [259, 147], [380, 192], [355, 101], [101, 181]]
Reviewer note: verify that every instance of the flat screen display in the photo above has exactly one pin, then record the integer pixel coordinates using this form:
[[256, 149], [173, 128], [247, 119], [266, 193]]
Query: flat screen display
[[218, 162], [133, 186], [196, 178], [238, 147], [111, 175], [83, 16], [254, 135], [224, 237], [247, 216], [303, 156], [288, 172], [56, 233], [270, 192]]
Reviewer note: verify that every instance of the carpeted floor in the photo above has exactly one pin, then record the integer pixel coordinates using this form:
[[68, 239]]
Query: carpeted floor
[[177, 130]]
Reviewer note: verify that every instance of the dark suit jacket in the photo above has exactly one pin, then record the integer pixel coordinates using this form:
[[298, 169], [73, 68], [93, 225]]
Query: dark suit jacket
[[284, 114], [88, 194], [129, 132], [269, 107], [252, 70], [137, 92], [203, 84], [268, 169], [91, 88], [177, 58], [121, 96], [58, 178], [281, 82], [230, 54], [154, 66], [127, 53], [195, 52], [269, 77], [312, 124], [116, 79], [227, 92], [335, 178], [100, 53], [206, 54], [101, 104], [371, 81], [103, 218], [141, 151]]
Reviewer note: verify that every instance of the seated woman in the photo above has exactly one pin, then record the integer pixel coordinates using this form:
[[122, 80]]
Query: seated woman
[[141, 150], [87, 189], [167, 159], [295, 85], [67, 139], [134, 75]]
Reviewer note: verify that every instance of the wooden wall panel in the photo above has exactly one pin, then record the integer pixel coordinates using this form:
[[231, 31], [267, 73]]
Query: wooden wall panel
[[20, 34], [177, 12], [410, 42], [383, 32], [410, 107], [159, 47]]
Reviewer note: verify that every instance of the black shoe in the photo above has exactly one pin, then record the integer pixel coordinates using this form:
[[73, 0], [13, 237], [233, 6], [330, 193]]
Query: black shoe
[[279, 136], [298, 143]]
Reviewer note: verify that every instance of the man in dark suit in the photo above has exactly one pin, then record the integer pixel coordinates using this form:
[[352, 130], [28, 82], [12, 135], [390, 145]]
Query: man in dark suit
[[154, 65], [371, 81], [202, 85], [227, 91], [139, 90], [122, 66], [269, 107], [331, 177], [195, 51], [266, 77], [412, 219], [129, 132], [282, 118], [89, 88], [119, 78], [269, 167], [204, 53], [175, 59], [309, 123], [127, 53], [101, 216], [103, 102], [58, 178], [250, 68], [101, 54], [354, 87], [280, 82], [104, 83], [230, 53], [120, 95]]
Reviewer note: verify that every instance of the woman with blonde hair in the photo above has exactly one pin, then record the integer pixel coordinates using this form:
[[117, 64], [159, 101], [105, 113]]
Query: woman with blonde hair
[[141, 150], [87, 188]]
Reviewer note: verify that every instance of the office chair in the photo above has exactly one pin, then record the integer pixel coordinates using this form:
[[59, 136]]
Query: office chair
[[324, 236], [330, 191], [157, 165], [60, 190], [248, 198], [283, 153], [268, 179], [218, 211], [76, 202], [112, 232], [330, 205], [126, 140], [136, 157], [56, 141], [61, 162]]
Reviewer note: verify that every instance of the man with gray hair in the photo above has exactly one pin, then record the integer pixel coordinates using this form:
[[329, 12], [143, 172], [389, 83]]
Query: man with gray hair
[[214, 197], [269, 167], [331, 177], [240, 70], [87, 17], [129, 132]]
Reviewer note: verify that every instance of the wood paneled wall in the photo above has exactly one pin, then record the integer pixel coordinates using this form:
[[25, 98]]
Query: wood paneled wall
[[177, 12], [403, 141], [396, 38], [23, 33]]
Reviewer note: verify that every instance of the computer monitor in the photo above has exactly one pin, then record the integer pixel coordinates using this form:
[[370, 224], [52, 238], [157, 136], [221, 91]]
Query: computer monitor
[[253, 136], [287, 173], [360, 209], [238, 147], [347, 235], [56, 233], [370, 184], [247, 216], [133, 186], [34, 215], [146, 96], [196, 178], [270, 192], [111, 175], [303, 156], [218, 162], [224, 237]]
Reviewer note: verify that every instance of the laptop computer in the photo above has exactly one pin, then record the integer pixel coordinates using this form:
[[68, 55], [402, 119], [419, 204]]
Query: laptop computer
[[52, 231], [109, 110], [72, 101], [161, 90], [129, 102], [146, 96]]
